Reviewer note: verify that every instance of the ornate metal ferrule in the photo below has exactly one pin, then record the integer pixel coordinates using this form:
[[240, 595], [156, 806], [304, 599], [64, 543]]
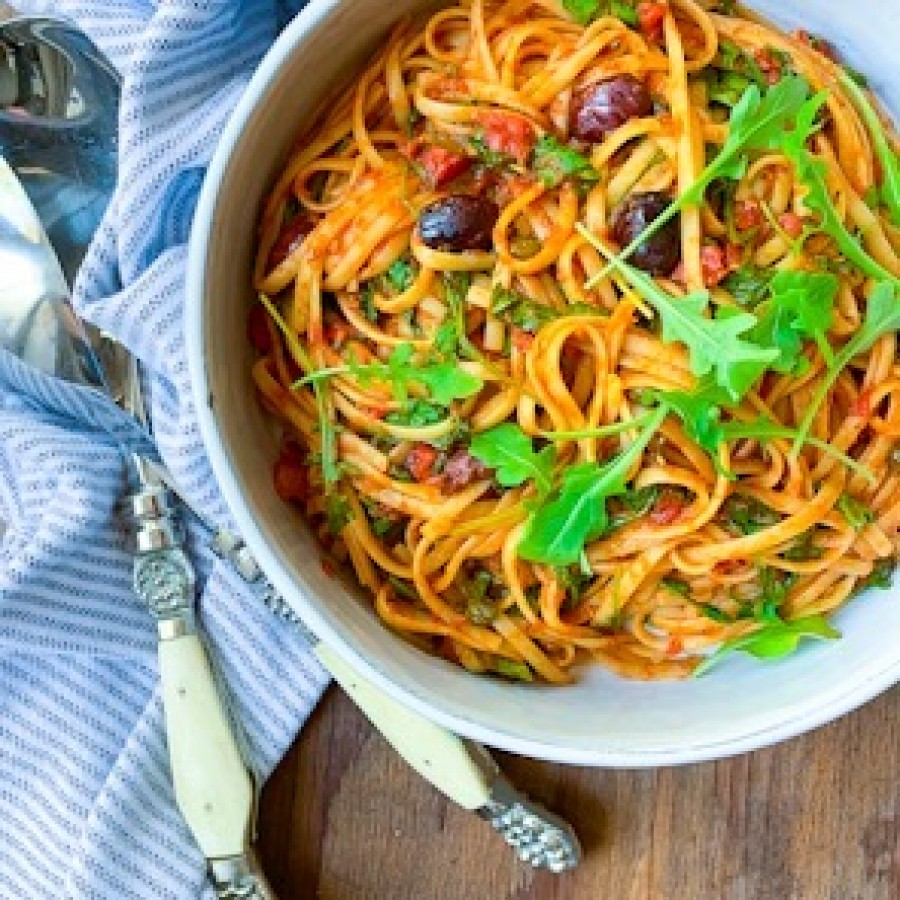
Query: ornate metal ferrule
[[163, 575], [239, 878], [539, 837]]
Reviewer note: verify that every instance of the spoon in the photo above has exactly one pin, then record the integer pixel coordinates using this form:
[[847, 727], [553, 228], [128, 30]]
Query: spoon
[[58, 115]]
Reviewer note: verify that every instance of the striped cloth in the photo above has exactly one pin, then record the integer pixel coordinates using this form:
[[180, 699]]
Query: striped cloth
[[86, 802]]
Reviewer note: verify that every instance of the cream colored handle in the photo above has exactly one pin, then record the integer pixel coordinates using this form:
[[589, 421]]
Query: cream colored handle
[[435, 753], [212, 785]]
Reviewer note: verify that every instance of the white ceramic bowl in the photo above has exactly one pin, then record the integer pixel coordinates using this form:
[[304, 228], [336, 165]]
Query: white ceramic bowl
[[601, 720]]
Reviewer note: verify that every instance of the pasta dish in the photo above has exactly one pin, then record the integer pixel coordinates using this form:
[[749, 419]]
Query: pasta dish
[[580, 322]]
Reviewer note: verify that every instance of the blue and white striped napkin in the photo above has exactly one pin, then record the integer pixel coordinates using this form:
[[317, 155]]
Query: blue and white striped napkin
[[86, 803]]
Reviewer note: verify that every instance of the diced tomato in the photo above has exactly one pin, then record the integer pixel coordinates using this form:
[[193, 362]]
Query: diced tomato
[[715, 265], [336, 333], [747, 215], [734, 256], [675, 647], [861, 408], [650, 19], [378, 412], [291, 476], [508, 133], [791, 223], [420, 461], [522, 340], [728, 566], [668, 508], [292, 236], [816, 43], [258, 329], [769, 63], [442, 165]]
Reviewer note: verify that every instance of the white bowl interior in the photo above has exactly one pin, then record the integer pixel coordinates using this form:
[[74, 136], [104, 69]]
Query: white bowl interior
[[601, 719]]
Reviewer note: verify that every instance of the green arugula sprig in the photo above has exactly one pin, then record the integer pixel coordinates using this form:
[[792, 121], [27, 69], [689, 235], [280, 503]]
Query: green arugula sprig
[[509, 451], [812, 171], [774, 640], [327, 430], [758, 122], [554, 162], [888, 159], [557, 531], [801, 306], [585, 11], [444, 379], [882, 317], [716, 345], [701, 414]]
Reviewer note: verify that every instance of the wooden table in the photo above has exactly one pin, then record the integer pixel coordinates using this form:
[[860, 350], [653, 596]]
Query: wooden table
[[817, 818]]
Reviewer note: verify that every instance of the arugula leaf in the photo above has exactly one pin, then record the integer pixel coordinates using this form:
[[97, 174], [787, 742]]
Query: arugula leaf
[[745, 515], [749, 285], [801, 306], [887, 158], [881, 576], [573, 580], [400, 274], [773, 640], [676, 586], [509, 668], [416, 414], [585, 11], [700, 412], [491, 159], [774, 587], [556, 532], [402, 588], [337, 512], [882, 317], [582, 11], [445, 380], [520, 310], [327, 430], [631, 505], [367, 302], [732, 72], [812, 171], [804, 548], [857, 514], [480, 608], [508, 450], [554, 162], [456, 288], [758, 122], [701, 415], [715, 344]]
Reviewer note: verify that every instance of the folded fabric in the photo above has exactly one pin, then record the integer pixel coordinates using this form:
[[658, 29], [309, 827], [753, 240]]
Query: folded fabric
[[86, 802]]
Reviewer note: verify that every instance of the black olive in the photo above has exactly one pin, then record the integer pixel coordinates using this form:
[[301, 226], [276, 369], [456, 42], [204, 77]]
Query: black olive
[[660, 253], [605, 106], [458, 222]]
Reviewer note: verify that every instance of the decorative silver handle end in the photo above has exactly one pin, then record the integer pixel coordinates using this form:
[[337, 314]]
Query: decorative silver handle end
[[240, 878], [539, 837]]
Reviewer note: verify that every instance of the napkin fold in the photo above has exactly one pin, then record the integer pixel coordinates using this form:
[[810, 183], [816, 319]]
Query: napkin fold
[[86, 802]]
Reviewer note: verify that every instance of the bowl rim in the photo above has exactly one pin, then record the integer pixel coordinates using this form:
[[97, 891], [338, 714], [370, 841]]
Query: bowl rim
[[788, 725]]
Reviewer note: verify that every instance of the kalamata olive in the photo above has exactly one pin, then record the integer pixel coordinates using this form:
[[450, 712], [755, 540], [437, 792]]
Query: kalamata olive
[[293, 233], [458, 222], [660, 253], [605, 106]]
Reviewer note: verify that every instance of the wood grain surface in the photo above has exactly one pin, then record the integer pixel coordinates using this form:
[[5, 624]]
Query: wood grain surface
[[817, 818]]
